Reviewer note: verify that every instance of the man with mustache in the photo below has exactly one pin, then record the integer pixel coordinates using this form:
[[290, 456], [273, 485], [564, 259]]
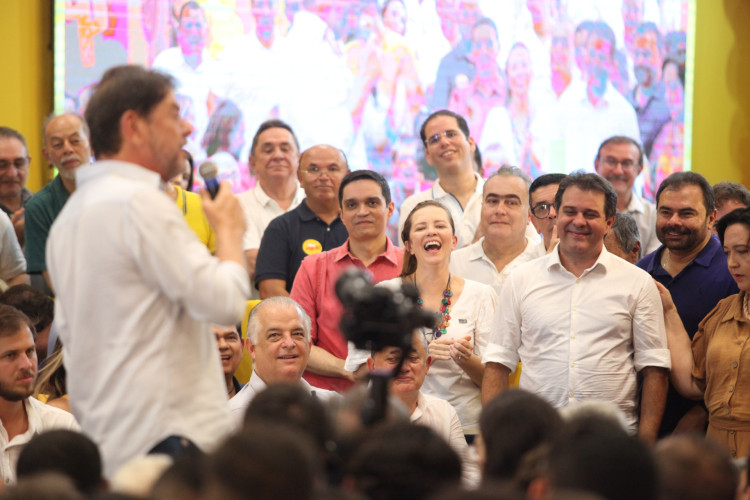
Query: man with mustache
[[690, 263], [66, 147], [620, 161], [21, 416]]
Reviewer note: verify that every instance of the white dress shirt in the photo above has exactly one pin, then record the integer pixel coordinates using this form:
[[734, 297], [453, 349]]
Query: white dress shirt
[[466, 219], [472, 263], [12, 261], [239, 403], [136, 292], [260, 209], [580, 338], [42, 418]]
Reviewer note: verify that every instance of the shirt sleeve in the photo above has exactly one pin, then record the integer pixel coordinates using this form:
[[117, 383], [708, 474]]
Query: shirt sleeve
[[12, 261], [649, 334], [274, 253], [486, 304], [36, 227], [505, 335], [303, 292]]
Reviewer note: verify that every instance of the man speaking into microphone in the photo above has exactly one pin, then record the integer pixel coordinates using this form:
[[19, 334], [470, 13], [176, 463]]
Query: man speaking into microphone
[[136, 290]]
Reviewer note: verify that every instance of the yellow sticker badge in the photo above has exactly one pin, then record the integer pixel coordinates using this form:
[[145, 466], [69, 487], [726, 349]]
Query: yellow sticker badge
[[311, 246]]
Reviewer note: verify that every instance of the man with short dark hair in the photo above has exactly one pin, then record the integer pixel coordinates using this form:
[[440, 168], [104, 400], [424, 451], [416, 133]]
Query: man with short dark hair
[[14, 169], [620, 161], [274, 159], [38, 307], [449, 148], [229, 344], [66, 147], [313, 226], [623, 238], [601, 318], [730, 196], [542, 211], [123, 261], [21, 416], [365, 205], [691, 264]]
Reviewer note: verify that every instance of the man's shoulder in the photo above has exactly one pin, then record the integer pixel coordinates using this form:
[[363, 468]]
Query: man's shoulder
[[49, 417], [48, 198]]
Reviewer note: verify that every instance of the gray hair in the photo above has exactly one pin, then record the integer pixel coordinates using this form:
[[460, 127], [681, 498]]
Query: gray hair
[[626, 232], [510, 171], [48, 119], [253, 322]]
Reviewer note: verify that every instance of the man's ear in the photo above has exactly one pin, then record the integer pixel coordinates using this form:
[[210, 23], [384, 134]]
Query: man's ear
[[250, 348]]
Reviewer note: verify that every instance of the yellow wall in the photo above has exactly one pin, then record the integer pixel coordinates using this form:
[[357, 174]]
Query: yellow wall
[[26, 84], [721, 101]]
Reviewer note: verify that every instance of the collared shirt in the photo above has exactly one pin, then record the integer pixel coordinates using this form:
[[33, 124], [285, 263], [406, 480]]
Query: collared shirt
[[466, 219], [290, 238], [472, 263], [721, 352], [40, 213], [239, 403], [42, 418], [582, 127], [12, 262], [314, 290], [439, 415], [695, 291], [644, 213], [136, 293], [260, 209], [652, 116], [580, 338]]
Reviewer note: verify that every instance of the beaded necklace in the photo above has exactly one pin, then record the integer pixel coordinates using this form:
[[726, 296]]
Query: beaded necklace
[[445, 308]]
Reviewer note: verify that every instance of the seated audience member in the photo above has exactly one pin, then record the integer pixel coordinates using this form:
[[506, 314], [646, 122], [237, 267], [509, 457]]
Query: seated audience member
[[594, 455], [46, 486], [38, 307], [729, 196], [278, 339], [503, 222], [712, 365], [424, 409], [623, 238], [274, 160], [51, 385], [512, 425], [542, 211], [70, 453], [191, 207], [459, 187], [365, 204], [183, 480], [12, 261], [403, 461], [694, 468], [66, 147], [620, 161], [264, 461], [21, 416], [229, 343], [312, 227], [13, 193]]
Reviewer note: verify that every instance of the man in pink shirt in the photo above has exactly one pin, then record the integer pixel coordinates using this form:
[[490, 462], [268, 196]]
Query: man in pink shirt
[[365, 204]]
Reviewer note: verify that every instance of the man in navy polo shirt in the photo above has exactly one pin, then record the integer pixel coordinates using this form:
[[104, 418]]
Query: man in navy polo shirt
[[312, 227], [692, 265]]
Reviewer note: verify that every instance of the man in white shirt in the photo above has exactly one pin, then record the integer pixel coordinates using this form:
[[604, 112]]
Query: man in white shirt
[[504, 222], [424, 409], [21, 416], [136, 289], [450, 149], [278, 340], [274, 159], [600, 322], [620, 161]]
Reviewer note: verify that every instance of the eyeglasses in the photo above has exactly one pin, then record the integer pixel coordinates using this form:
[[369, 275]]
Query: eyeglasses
[[317, 171], [541, 210], [434, 139], [612, 162], [18, 164]]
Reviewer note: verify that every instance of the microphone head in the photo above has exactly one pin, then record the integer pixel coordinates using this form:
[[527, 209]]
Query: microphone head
[[208, 170]]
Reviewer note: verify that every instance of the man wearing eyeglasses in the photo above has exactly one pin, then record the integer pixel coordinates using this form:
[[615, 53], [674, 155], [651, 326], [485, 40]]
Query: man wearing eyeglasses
[[450, 149], [620, 161], [542, 212], [14, 168], [312, 227]]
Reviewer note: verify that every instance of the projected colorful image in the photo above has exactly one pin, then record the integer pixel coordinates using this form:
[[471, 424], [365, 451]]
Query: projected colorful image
[[540, 82]]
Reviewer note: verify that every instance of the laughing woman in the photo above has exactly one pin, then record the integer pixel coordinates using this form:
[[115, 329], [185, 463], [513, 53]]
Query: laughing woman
[[466, 310]]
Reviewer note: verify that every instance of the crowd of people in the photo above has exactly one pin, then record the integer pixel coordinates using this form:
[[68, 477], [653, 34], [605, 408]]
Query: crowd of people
[[577, 326]]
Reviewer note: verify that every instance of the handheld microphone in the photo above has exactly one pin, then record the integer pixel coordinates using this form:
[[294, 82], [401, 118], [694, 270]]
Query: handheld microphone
[[209, 171]]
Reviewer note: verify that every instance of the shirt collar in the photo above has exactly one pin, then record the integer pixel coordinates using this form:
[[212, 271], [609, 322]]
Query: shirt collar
[[391, 252], [553, 261], [439, 192], [735, 313], [419, 410], [635, 205], [264, 199], [88, 173]]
